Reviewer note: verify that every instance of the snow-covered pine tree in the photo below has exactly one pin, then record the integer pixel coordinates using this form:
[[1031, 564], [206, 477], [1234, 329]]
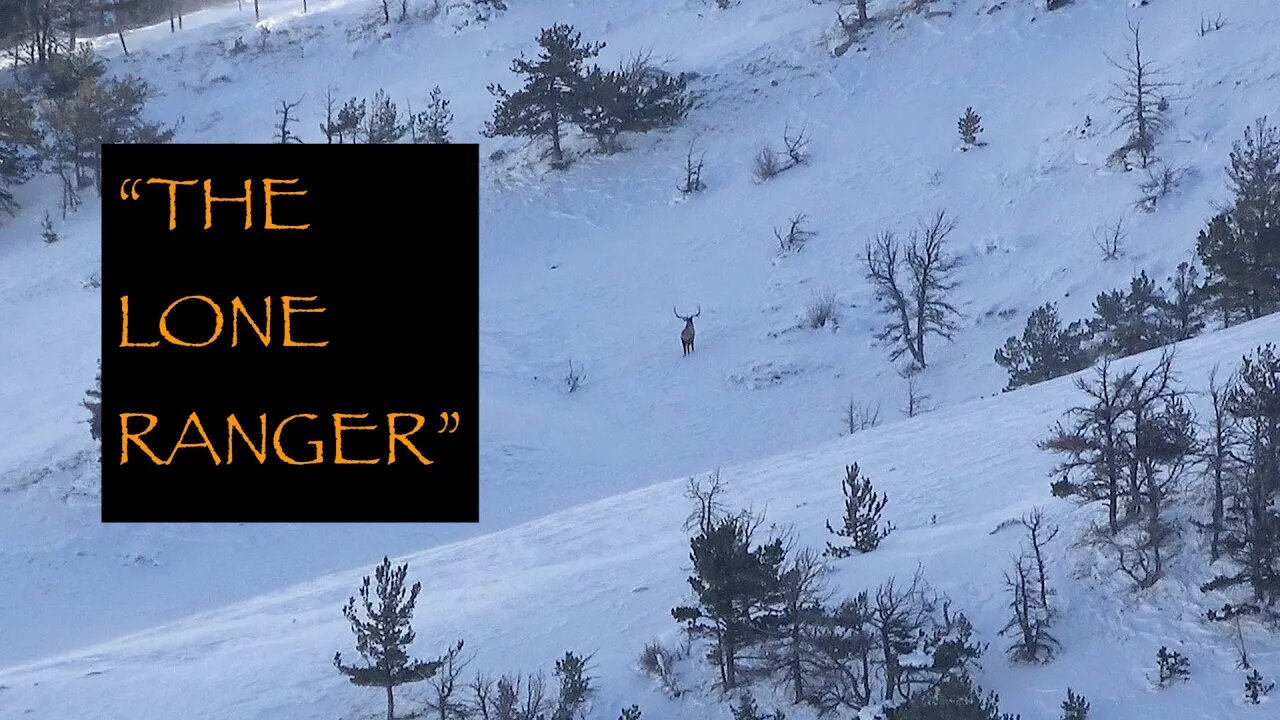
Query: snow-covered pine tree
[[861, 522], [384, 634]]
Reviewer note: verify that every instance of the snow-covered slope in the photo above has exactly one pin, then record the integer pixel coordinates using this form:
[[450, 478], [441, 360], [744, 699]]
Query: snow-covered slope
[[601, 578], [582, 265]]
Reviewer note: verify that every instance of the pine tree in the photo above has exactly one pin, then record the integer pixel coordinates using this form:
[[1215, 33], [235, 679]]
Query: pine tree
[[955, 698], [99, 112], [1184, 307], [1075, 707], [1126, 323], [1255, 687], [431, 126], [19, 142], [93, 403], [970, 126], [552, 92], [637, 97], [345, 125], [1240, 248], [736, 583], [861, 522], [575, 687], [793, 649], [1171, 666], [384, 123], [47, 233], [1046, 349], [384, 634], [1252, 523]]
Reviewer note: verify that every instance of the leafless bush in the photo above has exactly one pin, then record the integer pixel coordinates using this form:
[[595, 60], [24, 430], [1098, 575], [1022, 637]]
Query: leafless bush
[[797, 146], [659, 662], [796, 234], [706, 498], [917, 398], [769, 162], [1207, 26], [692, 174], [1110, 239], [821, 310], [573, 379], [860, 416], [511, 697], [1161, 180]]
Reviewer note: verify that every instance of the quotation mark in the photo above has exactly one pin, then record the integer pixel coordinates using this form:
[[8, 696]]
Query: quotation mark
[[449, 419], [132, 192]]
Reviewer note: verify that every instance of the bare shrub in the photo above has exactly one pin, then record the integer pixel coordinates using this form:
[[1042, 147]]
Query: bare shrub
[[821, 310], [1110, 239], [658, 662], [796, 234], [858, 416], [766, 164], [574, 378]]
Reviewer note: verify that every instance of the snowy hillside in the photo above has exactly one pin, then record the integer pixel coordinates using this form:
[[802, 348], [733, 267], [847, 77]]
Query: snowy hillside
[[581, 266], [603, 577]]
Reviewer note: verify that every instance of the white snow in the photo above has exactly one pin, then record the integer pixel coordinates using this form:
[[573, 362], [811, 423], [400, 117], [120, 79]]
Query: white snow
[[577, 547]]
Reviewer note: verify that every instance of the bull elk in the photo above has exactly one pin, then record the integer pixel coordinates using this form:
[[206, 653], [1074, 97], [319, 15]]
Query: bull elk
[[686, 335]]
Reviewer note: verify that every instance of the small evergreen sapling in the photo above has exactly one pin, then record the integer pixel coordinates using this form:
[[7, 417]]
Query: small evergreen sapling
[[970, 126], [1075, 707], [575, 687], [1255, 687], [47, 233], [1172, 665], [630, 713], [384, 634], [431, 126], [747, 709], [93, 403], [862, 510]]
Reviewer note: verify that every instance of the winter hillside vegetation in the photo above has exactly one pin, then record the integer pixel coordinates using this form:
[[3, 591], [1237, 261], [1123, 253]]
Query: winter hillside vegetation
[[968, 407]]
